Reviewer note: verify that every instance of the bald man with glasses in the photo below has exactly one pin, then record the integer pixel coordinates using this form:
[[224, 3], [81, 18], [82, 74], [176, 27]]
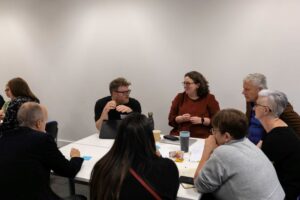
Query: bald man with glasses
[[118, 105]]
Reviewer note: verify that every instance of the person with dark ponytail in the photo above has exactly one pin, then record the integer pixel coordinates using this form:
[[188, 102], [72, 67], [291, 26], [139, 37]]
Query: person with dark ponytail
[[131, 161], [20, 93]]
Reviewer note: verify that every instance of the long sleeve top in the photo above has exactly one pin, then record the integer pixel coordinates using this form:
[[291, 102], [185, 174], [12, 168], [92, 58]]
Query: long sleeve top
[[239, 170], [203, 107]]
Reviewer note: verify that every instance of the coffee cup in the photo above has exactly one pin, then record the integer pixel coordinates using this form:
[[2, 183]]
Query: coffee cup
[[156, 134], [184, 140]]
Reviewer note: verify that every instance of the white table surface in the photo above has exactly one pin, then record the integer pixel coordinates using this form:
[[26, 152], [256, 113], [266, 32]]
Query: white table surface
[[97, 148]]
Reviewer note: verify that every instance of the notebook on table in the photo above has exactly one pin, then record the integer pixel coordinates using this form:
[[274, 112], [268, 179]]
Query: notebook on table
[[109, 129]]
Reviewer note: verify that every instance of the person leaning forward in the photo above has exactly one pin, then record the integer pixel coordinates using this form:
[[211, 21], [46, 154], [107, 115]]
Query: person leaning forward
[[32, 145], [252, 84], [280, 144], [232, 167], [118, 105]]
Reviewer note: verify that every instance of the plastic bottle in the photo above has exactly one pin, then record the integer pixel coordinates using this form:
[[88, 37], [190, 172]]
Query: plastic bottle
[[151, 120]]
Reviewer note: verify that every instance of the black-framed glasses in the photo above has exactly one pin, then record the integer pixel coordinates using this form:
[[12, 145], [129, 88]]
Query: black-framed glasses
[[127, 92], [187, 83], [257, 104]]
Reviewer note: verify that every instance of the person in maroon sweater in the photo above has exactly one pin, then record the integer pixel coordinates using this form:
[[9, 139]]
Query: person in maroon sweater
[[193, 109]]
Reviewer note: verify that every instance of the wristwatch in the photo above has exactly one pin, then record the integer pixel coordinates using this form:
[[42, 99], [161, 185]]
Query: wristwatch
[[202, 120]]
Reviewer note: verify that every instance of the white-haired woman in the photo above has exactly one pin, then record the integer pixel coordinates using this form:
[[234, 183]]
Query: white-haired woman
[[280, 144]]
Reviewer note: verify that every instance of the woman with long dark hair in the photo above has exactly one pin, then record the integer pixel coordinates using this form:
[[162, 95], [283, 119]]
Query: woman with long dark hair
[[131, 160], [20, 93], [193, 109]]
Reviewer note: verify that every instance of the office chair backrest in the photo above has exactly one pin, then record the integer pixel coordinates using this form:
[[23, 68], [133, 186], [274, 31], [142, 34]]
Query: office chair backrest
[[52, 129]]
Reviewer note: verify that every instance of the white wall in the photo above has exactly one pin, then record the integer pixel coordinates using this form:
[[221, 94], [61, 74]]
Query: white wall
[[70, 50]]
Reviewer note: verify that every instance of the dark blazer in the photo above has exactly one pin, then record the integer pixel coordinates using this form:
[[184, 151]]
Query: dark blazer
[[24, 146]]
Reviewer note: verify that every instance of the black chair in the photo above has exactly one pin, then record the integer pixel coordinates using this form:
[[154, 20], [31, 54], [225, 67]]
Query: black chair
[[52, 129], [24, 180]]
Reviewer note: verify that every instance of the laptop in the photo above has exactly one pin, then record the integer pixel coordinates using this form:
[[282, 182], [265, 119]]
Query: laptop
[[109, 129]]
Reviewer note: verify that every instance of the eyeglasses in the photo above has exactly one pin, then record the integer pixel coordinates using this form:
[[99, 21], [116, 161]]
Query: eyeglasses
[[127, 92], [214, 130], [187, 83], [257, 104]]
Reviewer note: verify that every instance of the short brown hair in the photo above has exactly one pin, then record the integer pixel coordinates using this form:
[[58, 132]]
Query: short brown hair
[[231, 121], [116, 83]]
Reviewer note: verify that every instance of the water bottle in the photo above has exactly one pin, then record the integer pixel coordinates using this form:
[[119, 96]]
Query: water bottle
[[151, 121]]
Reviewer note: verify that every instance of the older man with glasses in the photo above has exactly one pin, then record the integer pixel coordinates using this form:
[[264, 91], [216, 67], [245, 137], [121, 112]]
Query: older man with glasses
[[118, 105], [252, 84]]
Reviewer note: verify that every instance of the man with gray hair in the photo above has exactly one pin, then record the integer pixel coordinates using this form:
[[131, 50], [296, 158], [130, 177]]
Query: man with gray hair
[[280, 144], [30, 143], [252, 84]]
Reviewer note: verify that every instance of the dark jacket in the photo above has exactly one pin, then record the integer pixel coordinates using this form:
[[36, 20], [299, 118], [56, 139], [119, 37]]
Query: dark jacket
[[28, 147]]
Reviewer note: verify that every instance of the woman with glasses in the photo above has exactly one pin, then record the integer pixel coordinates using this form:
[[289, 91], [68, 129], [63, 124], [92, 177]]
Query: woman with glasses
[[280, 144], [132, 169], [193, 109], [18, 90]]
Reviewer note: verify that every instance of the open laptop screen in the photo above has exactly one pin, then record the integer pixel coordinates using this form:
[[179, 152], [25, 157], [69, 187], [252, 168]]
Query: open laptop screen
[[109, 129]]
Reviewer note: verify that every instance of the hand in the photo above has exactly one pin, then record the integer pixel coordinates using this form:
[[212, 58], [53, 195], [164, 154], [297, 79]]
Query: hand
[[210, 144], [110, 106], [206, 121], [123, 109], [158, 153], [74, 153], [186, 116], [2, 114], [259, 144], [196, 120], [183, 118]]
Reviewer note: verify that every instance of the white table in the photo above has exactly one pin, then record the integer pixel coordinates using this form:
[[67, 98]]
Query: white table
[[97, 148]]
